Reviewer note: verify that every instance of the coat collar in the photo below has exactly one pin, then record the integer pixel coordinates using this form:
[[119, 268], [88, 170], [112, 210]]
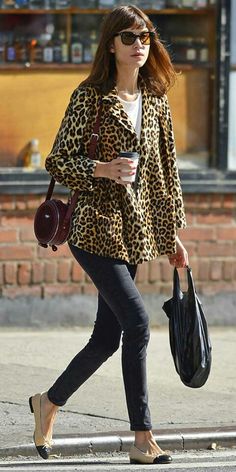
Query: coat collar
[[117, 111]]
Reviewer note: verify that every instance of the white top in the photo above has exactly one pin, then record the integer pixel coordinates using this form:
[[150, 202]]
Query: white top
[[134, 112]]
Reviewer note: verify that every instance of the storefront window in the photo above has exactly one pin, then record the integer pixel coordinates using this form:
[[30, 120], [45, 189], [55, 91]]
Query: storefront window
[[46, 50], [190, 37]]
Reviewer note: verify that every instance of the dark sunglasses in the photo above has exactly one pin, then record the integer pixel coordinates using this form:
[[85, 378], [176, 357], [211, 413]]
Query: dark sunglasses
[[128, 38]]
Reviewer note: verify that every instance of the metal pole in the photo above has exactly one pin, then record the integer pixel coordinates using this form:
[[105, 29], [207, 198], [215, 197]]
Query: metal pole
[[222, 81]]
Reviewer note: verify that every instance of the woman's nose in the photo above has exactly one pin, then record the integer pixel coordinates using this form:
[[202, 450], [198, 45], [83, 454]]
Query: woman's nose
[[137, 42]]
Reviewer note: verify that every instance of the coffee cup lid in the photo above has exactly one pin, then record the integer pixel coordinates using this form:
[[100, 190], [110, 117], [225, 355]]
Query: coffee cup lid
[[130, 154]]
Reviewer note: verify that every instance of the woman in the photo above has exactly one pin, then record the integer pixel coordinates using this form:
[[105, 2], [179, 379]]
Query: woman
[[117, 225]]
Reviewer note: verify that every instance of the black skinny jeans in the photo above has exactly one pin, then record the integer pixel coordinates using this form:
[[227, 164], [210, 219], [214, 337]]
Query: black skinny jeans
[[120, 308]]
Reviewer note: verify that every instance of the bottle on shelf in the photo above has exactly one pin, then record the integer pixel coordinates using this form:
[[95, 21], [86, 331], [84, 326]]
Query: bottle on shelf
[[106, 3], [2, 49], [76, 49], [47, 42], [57, 49], [48, 51], [64, 47], [32, 159], [202, 49], [7, 4], [36, 4], [188, 4], [94, 43], [84, 4], [47, 4], [185, 48], [87, 57], [21, 4], [22, 51], [173, 3], [158, 4], [36, 51], [201, 3], [191, 49], [10, 49], [60, 4]]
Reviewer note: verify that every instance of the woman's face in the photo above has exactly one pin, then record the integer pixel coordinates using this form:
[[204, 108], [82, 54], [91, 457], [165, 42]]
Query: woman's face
[[135, 54]]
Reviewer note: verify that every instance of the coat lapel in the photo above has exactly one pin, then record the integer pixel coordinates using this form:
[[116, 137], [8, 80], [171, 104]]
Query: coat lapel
[[117, 111], [144, 141], [150, 106]]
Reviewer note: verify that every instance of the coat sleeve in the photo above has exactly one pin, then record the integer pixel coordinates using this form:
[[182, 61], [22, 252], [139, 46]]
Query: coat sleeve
[[67, 162], [169, 162]]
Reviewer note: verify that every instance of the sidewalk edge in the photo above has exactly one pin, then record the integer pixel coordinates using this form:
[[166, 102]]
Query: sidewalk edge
[[121, 442]]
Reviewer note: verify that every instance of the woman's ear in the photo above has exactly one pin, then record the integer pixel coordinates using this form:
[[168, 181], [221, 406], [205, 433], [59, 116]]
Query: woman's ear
[[112, 49]]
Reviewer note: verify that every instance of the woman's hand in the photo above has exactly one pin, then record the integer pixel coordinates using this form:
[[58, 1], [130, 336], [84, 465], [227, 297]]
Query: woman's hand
[[115, 169], [180, 258]]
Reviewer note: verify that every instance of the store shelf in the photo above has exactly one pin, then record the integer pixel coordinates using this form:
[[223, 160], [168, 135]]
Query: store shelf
[[44, 67], [180, 11], [27, 11], [102, 11], [192, 66], [86, 66]]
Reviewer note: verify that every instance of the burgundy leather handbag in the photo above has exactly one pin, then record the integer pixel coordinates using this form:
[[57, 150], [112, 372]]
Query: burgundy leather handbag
[[52, 220]]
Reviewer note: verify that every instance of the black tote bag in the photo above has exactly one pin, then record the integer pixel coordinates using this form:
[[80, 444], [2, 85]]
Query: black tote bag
[[189, 339]]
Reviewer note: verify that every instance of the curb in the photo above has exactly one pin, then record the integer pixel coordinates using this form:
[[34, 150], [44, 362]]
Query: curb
[[188, 438]]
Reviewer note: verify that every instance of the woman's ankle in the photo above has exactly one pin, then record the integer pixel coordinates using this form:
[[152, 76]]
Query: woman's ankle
[[47, 404], [145, 441], [48, 415], [142, 438]]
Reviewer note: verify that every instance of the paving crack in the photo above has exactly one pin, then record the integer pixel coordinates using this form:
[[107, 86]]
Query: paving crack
[[92, 415], [7, 402]]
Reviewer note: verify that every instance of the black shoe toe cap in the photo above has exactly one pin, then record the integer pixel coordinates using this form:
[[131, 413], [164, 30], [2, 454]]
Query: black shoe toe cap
[[44, 451], [162, 459]]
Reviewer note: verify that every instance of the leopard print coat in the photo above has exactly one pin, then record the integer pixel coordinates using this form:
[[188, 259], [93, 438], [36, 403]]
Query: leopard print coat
[[112, 220]]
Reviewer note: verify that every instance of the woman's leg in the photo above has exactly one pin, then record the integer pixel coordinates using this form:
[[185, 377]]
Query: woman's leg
[[103, 343], [114, 280]]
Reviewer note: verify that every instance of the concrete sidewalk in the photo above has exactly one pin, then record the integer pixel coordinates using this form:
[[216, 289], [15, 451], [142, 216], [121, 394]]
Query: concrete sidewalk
[[95, 418]]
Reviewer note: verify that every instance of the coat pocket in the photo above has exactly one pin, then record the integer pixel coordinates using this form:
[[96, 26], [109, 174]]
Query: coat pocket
[[109, 226], [166, 225]]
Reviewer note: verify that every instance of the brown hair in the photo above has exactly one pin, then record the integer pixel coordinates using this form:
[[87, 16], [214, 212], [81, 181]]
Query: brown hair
[[158, 72]]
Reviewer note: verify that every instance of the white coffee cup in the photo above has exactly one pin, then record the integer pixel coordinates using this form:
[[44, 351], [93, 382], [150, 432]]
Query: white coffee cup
[[133, 156]]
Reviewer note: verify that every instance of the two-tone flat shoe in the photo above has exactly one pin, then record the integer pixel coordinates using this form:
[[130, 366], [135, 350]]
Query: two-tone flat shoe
[[42, 444], [139, 457]]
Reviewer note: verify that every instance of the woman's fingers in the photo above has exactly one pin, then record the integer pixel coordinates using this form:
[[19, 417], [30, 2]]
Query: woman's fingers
[[178, 262], [180, 258], [121, 167]]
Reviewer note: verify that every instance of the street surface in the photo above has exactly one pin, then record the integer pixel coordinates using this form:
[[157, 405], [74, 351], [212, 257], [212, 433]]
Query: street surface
[[222, 460], [30, 361]]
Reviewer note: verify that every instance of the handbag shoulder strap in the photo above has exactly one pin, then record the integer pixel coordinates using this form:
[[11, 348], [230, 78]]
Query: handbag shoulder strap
[[95, 134], [92, 150]]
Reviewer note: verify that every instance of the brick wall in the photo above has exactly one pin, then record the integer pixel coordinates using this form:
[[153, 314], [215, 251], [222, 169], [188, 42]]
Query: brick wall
[[26, 269]]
